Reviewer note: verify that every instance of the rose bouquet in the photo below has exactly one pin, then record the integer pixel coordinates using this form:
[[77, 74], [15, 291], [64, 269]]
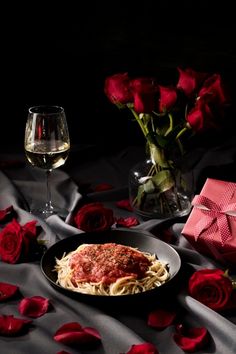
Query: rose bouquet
[[167, 116]]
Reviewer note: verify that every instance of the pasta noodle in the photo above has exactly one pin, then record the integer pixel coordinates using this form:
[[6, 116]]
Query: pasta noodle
[[110, 269]]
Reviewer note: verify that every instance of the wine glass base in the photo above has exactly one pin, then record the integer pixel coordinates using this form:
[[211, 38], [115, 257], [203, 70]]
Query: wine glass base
[[44, 213]]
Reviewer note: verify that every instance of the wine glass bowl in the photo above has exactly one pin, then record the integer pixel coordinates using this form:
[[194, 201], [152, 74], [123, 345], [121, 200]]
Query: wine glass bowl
[[47, 143]]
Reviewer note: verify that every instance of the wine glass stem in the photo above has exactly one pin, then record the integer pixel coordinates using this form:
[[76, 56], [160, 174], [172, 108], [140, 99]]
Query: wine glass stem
[[49, 207]]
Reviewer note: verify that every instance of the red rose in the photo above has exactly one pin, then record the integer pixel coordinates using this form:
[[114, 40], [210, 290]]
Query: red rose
[[94, 217], [213, 90], [200, 118], [211, 287], [189, 81], [15, 241], [11, 242], [168, 98], [117, 88], [144, 90]]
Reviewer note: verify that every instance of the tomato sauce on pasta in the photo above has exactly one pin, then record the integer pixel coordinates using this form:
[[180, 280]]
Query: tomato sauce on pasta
[[110, 269], [107, 263]]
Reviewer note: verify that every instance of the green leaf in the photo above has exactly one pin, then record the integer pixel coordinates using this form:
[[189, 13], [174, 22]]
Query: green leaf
[[163, 180], [149, 187], [156, 139], [157, 156], [140, 196]]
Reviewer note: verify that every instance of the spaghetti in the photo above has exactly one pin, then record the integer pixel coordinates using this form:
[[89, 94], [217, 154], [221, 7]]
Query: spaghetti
[[110, 269]]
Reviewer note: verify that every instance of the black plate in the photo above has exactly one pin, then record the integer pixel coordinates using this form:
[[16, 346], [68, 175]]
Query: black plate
[[142, 240]]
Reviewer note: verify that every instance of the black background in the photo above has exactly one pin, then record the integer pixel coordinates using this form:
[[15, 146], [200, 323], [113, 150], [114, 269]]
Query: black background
[[61, 54]]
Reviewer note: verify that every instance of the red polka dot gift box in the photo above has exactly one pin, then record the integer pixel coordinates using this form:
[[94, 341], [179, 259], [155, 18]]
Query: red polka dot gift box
[[211, 225]]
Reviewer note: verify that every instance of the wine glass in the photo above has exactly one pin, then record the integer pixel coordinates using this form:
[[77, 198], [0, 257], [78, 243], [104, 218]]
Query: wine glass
[[47, 144]]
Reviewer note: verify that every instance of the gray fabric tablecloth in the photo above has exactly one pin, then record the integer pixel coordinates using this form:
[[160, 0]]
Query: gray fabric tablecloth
[[120, 328]]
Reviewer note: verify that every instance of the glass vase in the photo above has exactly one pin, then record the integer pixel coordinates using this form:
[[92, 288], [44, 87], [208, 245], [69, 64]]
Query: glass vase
[[158, 193]]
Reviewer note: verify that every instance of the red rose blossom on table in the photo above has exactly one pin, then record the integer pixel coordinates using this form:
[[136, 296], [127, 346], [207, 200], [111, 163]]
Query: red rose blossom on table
[[16, 241], [11, 242], [94, 217], [211, 287]]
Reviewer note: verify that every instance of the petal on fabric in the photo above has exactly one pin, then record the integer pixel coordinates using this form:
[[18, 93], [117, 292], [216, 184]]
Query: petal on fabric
[[10, 325], [191, 340], [34, 306], [7, 291], [124, 204], [161, 319], [127, 222], [144, 348], [74, 333]]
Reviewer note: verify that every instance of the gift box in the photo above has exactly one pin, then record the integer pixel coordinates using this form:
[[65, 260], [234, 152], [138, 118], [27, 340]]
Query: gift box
[[211, 225]]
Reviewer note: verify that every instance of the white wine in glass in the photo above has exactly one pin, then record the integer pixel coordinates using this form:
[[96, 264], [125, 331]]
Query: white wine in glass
[[47, 144]]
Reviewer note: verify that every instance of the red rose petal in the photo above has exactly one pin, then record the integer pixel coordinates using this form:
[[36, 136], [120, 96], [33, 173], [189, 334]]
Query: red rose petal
[[161, 319], [10, 325], [7, 290], [92, 331], [31, 227], [63, 352], [124, 204], [144, 348], [193, 339], [34, 306], [103, 187], [127, 222], [74, 333]]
